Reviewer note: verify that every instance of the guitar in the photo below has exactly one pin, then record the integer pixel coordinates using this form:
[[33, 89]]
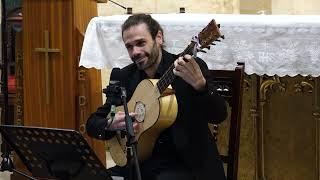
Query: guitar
[[155, 103]]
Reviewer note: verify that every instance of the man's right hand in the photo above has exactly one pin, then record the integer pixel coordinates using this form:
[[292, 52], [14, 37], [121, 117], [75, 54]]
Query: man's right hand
[[119, 123]]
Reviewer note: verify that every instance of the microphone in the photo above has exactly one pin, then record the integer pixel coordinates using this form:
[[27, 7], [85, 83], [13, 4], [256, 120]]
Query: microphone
[[113, 92], [115, 77]]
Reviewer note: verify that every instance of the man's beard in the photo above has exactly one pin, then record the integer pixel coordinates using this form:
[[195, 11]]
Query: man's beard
[[152, 58]]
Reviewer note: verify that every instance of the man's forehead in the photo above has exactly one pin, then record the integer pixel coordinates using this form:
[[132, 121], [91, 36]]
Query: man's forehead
[[136, 33], [137, 27], [133, 41]]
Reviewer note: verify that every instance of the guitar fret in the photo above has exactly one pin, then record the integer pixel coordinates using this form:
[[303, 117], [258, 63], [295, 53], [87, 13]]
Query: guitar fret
[[168, 77]]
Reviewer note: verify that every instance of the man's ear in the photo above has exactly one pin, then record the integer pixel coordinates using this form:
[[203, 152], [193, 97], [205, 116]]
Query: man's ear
[[159, 37]]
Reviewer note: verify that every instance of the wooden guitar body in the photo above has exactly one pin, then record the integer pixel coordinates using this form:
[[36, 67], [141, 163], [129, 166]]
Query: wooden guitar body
[[156, 112]]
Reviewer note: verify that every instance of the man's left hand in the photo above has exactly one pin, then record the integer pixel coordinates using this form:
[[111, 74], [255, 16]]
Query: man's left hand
[[188, 69]]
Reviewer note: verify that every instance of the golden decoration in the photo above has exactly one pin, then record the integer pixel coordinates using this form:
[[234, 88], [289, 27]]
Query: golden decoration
[[303, 86]]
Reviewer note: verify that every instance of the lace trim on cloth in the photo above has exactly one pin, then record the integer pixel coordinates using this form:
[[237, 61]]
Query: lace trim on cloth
[[268, 44]]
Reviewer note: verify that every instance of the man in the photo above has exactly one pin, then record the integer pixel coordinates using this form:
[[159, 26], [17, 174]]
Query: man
[[187, 149]]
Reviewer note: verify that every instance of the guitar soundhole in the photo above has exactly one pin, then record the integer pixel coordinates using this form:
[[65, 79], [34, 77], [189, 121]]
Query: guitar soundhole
[[140, 109]]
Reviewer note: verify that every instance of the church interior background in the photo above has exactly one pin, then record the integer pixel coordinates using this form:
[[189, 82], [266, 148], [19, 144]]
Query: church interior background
[[280, 130]]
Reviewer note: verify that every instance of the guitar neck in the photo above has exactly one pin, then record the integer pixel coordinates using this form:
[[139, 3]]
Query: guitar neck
[[203, 40], [168, 77]]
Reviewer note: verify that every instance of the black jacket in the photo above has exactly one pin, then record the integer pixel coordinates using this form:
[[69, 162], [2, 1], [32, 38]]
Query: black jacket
[[189, 134]]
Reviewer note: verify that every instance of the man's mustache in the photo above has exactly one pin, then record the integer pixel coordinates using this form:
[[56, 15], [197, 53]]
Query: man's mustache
[[138, 58]]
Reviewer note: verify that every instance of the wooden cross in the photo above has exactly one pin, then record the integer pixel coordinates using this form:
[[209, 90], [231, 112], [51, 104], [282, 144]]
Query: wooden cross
[[47, 50]]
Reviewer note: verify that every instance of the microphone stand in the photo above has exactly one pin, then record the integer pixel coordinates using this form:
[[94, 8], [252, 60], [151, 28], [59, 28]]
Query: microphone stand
[[113, 93], [132, 156]]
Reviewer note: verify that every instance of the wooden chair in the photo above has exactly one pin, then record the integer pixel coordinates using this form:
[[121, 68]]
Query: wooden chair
[[230, 86]]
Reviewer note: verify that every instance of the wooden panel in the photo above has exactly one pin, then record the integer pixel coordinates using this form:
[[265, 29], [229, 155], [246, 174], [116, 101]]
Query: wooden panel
[[290, 133], [288, 142], [89, 93], [88, 81], [247, 151], [84, 10], [56, 17], [66, 22]]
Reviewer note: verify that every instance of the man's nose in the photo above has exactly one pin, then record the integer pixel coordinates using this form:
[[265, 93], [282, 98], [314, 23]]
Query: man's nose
[[136, 51]]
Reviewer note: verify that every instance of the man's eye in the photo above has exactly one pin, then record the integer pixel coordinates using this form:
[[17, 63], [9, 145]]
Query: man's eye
[[142, 43]]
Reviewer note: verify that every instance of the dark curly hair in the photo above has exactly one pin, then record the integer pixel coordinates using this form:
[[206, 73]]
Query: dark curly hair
[[136, 19]]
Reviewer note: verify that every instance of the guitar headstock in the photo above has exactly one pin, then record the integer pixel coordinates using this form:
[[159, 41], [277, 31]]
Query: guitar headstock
[[209, 34], [204, 39]]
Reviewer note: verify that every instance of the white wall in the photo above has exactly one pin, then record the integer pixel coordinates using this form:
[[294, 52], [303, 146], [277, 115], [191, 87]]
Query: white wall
[[296, 7], [170, 6], [212, 6]]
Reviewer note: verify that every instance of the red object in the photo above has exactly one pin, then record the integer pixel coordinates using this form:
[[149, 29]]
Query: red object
[[11, 84]]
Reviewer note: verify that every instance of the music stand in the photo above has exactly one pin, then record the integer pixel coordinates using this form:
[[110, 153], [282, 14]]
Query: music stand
[[50, 153]]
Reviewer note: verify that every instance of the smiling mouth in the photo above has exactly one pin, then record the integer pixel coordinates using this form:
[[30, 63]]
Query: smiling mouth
[[139, 61]]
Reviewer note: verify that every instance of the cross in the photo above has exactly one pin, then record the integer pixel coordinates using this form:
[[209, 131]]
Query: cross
[[47, 50]]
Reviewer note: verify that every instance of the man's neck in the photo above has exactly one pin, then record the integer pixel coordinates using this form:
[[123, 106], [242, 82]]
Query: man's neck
[[153, 69]]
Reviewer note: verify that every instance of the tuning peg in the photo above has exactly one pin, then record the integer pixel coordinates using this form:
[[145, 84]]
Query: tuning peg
[[200, 50], [218, 25], [222, 36], [213, 44], [208, 47], [218, 40]]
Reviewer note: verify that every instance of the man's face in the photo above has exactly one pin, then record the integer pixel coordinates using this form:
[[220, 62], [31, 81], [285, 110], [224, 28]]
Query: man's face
[[142, 49]]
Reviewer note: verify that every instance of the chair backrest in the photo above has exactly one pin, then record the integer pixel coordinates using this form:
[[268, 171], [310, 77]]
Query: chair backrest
[[230, 86]]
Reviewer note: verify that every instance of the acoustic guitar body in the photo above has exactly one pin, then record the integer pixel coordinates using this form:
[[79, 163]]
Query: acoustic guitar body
[[156, 112]]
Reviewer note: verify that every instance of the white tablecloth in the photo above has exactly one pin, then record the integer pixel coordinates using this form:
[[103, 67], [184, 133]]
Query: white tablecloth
[[268, 44]]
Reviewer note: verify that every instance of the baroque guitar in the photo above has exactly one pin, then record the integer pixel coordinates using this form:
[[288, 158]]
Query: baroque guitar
[[155, 103]]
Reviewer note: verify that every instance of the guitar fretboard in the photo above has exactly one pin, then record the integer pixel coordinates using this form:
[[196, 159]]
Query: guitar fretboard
[[203, 40], [168, 77]]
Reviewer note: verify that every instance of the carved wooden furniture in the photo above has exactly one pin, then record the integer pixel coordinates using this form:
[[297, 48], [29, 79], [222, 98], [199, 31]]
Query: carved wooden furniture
[[230, 86]]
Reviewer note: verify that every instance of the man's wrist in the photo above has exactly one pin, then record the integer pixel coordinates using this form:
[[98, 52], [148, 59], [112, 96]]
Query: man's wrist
[[201, 86]]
